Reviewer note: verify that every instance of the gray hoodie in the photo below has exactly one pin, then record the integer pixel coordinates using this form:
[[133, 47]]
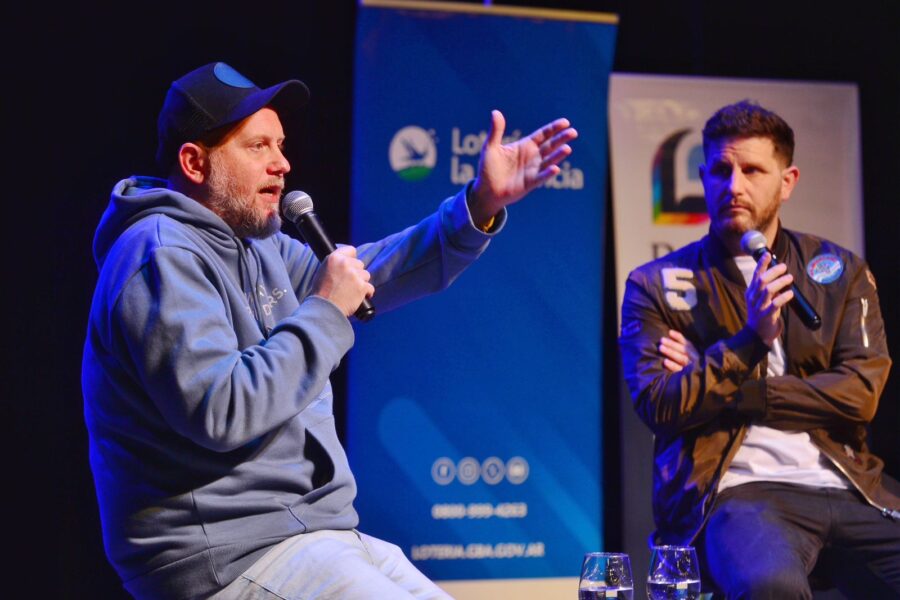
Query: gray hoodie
[[205, 379]]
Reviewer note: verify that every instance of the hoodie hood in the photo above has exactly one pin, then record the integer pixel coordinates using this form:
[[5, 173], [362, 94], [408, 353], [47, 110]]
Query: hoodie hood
[[138, 197]]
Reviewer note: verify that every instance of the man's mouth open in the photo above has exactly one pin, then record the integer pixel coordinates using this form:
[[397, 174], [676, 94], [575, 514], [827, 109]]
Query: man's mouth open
[[271, 192]]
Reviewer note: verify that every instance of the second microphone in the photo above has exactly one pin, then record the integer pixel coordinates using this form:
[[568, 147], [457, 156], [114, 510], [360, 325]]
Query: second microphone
[[754, 244]]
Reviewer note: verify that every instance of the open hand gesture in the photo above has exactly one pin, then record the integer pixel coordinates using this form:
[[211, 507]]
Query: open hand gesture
[[507, 172]]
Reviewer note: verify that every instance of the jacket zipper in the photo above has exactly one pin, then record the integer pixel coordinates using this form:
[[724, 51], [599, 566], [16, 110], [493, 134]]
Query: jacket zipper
[[862, 321]]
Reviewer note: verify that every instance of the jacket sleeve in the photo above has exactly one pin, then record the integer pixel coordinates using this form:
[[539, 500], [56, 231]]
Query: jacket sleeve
[[671, 403], [183, 351], [420, 260], [847, 392]]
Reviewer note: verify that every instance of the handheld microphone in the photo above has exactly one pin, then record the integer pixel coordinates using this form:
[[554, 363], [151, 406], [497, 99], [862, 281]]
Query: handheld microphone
[[754, 244], [297, 207]]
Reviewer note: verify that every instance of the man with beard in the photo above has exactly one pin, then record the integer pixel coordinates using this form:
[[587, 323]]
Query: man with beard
[[211, 340], [759, 420]]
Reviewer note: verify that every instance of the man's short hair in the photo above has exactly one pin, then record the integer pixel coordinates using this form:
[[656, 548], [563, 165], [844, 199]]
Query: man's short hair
[[748, 119]]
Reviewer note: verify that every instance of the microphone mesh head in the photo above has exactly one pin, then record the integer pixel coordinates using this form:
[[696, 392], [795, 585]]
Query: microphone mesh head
[[753, 241], [295, 204]]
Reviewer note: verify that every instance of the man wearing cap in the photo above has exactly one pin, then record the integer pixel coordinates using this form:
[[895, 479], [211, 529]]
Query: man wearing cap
[[759, 419], [211, 339]]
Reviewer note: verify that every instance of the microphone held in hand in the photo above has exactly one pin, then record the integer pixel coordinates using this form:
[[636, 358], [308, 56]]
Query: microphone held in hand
[[297, 207], [754, 244]]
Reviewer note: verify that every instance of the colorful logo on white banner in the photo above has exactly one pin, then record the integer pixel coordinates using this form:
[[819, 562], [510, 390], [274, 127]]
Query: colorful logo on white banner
[[677, 190]]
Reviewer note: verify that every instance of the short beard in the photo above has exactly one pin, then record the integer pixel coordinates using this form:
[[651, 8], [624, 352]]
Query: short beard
[[237, 207], [758, 222]]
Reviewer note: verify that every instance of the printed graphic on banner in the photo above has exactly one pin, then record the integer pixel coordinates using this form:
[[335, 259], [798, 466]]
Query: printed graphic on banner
[[474, 418], [677, 191], [413, 153]]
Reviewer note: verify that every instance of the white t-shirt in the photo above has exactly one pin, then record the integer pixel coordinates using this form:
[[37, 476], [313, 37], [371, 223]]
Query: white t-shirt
[[773, 455]]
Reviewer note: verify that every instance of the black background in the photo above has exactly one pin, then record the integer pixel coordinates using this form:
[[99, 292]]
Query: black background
[[84, 83]]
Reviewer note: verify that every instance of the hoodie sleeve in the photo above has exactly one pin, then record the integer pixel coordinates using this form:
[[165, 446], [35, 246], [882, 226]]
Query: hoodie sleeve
[[420, 260], [178, 334]]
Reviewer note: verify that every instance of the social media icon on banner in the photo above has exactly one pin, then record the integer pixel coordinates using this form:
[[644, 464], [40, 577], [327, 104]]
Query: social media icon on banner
[[469, 471], [493, 470], [517, 470], [443, 471]]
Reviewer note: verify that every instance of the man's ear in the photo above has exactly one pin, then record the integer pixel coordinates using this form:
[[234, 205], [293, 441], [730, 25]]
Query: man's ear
[[193, 161], [789, 178]]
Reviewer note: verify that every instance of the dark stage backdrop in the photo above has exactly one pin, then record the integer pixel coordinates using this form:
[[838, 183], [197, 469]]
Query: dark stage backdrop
[[83, 86]]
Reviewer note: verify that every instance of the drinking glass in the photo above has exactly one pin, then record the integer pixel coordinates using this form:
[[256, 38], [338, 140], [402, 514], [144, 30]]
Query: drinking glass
[[674, 573], [606, 575]]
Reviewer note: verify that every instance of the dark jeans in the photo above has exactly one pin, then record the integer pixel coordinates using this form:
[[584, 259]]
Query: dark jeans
[[763, 539]]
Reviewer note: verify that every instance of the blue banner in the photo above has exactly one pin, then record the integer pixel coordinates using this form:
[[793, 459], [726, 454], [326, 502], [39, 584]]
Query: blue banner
[[474, 420]]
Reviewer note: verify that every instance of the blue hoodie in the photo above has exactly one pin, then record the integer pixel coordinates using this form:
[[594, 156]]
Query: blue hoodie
[[205, 379]]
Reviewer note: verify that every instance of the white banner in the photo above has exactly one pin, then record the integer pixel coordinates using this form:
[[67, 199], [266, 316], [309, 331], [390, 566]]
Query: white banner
[[656, 147]]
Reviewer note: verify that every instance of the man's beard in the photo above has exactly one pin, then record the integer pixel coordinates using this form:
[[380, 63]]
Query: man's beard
[[760, 219], [239, 208]]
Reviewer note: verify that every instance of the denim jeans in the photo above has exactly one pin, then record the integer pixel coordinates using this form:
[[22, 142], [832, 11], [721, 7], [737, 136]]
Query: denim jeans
[[763, 539], [345, 565]]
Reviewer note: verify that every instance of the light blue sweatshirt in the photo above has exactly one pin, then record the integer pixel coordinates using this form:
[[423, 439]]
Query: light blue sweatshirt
[[205, 379]]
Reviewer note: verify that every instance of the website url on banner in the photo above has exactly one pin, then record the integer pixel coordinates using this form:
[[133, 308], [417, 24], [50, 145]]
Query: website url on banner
[[480, 510], [477, 551]]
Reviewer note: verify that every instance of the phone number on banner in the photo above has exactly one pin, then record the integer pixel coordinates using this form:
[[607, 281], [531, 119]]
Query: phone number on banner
[[480, 510]]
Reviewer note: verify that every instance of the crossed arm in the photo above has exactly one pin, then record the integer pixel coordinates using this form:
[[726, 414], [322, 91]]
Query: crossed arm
[[843, 393]]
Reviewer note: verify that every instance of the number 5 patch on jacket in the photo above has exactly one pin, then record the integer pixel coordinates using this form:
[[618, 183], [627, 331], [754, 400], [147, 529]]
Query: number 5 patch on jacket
[[678, 288]]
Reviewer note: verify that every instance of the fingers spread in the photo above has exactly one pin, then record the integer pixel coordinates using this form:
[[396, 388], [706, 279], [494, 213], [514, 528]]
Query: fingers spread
[[557, 156], [548, 131], [544, 175]]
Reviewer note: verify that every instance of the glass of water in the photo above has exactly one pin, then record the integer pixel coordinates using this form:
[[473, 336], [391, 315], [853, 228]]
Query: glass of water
[[606, 575], [674, 573]]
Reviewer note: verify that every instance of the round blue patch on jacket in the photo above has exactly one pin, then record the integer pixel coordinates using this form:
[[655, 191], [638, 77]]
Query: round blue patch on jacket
[[825, 268], [229, 76]]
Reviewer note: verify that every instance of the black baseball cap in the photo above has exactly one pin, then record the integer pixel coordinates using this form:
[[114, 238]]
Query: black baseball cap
[[213, 96]]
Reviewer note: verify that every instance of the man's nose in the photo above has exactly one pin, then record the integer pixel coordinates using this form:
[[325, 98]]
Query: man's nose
[[279, 164], [736, 182]]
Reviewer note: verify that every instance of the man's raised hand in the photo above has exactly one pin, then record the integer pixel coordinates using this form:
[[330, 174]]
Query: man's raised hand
[[507, 172]]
